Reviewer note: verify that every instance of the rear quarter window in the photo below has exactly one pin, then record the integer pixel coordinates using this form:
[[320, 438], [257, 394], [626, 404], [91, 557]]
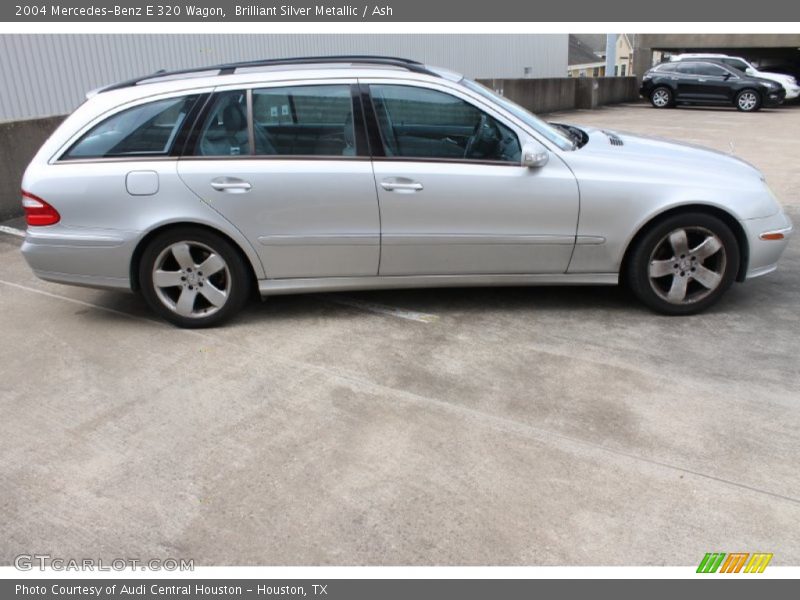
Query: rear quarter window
[[144, 130]]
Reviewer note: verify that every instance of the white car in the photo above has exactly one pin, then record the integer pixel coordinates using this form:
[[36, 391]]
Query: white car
[[787, 81]]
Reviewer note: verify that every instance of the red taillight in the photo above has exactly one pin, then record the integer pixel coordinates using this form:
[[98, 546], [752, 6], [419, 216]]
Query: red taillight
[[37, 211]]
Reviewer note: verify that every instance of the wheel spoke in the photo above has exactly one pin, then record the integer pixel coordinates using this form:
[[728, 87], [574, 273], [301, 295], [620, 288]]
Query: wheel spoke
[[182, 255], [708, 247], [185, 304], [661, 268], [167, 278], [213, 264], [679, 242], [706, 277], [216, 296], [677, 292]]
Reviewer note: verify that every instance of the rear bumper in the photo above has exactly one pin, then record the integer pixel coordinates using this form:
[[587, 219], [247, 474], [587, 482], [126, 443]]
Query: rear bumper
[[91, 258], [764, 254]]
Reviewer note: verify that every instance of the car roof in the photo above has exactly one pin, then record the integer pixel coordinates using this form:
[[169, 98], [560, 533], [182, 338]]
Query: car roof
[[699, 59], [278, 69]]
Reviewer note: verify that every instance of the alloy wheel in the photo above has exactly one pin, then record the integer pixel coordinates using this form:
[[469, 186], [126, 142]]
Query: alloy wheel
[[748, 101], [687, 265], [191, 279], [661, 97]]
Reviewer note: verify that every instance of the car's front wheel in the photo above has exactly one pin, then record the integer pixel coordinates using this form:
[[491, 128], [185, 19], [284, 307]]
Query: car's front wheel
[[684, 264], [661, 97], [193, 277], [748, 101]]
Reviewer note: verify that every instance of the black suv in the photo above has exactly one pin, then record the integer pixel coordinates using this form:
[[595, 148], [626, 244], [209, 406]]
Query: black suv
[[708, 82]]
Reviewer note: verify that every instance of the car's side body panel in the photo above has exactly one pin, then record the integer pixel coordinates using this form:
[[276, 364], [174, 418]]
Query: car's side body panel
[[306, 218], [102, 222]]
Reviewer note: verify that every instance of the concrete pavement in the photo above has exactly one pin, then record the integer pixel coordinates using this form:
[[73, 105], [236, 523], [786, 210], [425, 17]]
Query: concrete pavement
[[540, 426]]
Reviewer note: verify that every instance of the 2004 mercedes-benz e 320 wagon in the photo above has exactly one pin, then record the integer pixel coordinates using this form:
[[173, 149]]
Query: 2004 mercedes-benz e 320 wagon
[[360, 172]]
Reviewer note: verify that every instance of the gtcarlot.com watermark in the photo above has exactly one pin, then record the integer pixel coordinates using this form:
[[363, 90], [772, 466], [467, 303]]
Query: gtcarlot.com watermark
[[42, 562]]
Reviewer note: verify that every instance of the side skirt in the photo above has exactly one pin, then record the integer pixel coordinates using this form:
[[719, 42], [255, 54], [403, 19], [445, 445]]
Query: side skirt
[[272, 287]]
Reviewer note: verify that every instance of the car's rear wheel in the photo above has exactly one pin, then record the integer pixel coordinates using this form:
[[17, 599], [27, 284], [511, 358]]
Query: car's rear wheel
[[661, 97], [748, 101], [684, 264], [193, 277]]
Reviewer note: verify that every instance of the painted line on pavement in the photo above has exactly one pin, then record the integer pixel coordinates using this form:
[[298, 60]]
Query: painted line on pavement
[[12, 231], [382, 309]]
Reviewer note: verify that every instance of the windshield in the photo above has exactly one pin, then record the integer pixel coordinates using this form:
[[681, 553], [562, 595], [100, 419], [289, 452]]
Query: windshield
[[556, 136], [736, 63]]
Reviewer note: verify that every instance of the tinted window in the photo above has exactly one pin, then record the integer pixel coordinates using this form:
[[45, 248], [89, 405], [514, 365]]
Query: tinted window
[[225, 131], [422, 123], [666, 67], [287, 121], [710, 70], [145, 130], [687, 68], [315, 120], [735, 63]]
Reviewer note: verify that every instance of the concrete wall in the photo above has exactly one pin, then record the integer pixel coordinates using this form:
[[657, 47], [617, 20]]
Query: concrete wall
[[19, 141], [552, 95], [594, 92]]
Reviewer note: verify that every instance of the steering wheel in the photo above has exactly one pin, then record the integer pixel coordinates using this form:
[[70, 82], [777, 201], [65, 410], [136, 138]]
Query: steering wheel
[[476, 134]]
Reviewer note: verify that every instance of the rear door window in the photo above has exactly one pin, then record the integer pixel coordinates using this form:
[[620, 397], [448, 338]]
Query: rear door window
[[225, 131], [687, 68], [667, 67], [312, 120], [145, 130], [708, 70]]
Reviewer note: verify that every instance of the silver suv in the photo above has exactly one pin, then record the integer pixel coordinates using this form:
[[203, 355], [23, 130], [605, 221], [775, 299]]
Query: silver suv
[[198, 187]]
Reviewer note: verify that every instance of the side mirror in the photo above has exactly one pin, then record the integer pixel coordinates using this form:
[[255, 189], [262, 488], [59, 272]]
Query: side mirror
[[534, 155], [750, 71], [727, 76]]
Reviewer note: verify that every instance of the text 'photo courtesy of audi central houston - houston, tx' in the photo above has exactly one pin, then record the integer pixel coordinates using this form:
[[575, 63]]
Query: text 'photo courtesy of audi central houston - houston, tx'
[[199, 188]]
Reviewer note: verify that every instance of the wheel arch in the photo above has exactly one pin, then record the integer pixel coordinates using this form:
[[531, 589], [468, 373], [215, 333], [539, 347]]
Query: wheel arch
[[726, 217], [147, 238]]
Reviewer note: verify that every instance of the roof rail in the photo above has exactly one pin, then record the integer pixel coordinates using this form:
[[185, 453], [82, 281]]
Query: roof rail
[[230, 68]]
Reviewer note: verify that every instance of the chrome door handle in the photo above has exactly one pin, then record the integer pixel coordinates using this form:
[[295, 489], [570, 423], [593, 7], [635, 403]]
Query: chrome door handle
[[701, 80], [230, 184], [391, 185]]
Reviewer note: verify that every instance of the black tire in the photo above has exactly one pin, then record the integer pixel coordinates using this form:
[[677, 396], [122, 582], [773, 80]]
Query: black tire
[[233, 280], [662, 97], [656, 245], [748, 106]]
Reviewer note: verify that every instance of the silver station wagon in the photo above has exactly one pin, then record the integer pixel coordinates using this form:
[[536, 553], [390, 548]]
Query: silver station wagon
[[199, 187]]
